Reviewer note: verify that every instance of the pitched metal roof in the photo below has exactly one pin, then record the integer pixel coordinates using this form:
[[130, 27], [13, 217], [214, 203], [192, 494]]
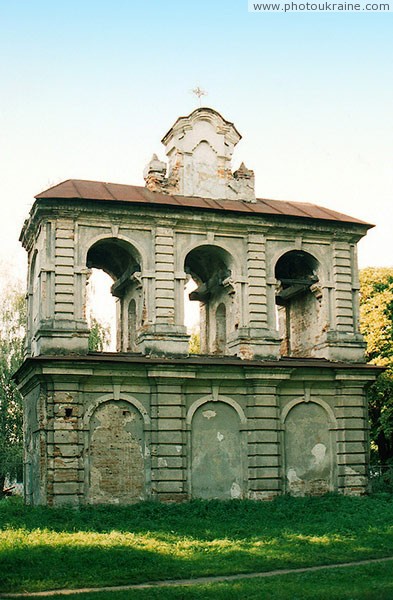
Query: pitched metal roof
[[78, 189]]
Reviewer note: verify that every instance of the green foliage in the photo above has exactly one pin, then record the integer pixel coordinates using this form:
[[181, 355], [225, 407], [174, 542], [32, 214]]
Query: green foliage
[[12, 332], [99, 336], [376, 318], [382, 478], [376, 313], [380, 400], [44, 548]]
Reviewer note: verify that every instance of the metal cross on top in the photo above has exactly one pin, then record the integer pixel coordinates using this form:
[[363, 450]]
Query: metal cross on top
[[199, 92]]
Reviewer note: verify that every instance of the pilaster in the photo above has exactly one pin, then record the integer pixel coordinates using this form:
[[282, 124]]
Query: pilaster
[[60, 330], [264, 443], [65, 444], [169, 443], [164, 336], [343, 341], [352, 432], [258, 337]]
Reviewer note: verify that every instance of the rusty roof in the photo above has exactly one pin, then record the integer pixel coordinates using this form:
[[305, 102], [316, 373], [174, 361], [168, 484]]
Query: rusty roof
[[78, 189]]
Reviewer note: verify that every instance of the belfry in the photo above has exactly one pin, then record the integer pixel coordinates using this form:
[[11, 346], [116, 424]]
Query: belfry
[[274, 402]]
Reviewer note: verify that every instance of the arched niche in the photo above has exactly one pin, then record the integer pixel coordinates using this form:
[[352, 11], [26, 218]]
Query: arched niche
[[121, 261], [116, 454], [34, 300], [217, 458], [221, 329], [211, 268], [205, 165], [309, 448], [132, 325], [298, 301]]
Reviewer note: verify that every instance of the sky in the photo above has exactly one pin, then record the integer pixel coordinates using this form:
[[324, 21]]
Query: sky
[[89, 87]]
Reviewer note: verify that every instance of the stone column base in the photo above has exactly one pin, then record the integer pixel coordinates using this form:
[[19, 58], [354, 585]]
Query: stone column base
[[61, 337], [164, 340], [249, 343], [341, 347]]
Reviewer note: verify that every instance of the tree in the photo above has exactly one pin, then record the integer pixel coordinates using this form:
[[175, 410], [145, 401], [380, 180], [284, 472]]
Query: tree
[[100, 335], [12, 334], [376, 319]]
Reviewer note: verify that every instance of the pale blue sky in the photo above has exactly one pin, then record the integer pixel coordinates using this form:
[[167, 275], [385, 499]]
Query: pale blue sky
[[88, 88]]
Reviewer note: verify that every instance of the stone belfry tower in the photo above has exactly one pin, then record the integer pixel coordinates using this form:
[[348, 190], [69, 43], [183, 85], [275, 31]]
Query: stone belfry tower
[[274, 403]]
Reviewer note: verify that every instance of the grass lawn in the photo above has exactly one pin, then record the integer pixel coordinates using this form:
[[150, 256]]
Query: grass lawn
[[43, 548]]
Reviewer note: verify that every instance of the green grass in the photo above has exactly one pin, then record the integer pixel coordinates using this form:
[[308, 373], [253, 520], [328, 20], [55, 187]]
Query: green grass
[[42, 548], [369, 582]]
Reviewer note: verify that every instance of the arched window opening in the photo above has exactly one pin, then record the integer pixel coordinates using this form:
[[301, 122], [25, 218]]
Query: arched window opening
[[120, 298], [298, 301], [210, 268], [101, 312]]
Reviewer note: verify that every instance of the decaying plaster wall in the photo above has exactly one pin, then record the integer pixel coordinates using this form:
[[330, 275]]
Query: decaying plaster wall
[[124, 430], [309, 455], [116, 454], [216, 453], [34, 447]]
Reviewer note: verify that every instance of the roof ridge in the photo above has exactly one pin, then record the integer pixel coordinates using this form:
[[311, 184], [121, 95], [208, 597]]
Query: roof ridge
[[73, 181], [108, 190]]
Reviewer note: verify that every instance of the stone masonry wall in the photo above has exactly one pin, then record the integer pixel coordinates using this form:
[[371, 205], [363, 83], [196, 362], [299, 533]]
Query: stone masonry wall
[[127, 432]]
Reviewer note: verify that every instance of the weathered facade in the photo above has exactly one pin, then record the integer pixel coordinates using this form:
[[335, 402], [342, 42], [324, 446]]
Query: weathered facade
[[274, 403]]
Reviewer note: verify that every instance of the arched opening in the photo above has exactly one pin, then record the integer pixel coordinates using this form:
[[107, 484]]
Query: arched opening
[[118, 290], [210, 269], [101, 312], [298, 300]]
